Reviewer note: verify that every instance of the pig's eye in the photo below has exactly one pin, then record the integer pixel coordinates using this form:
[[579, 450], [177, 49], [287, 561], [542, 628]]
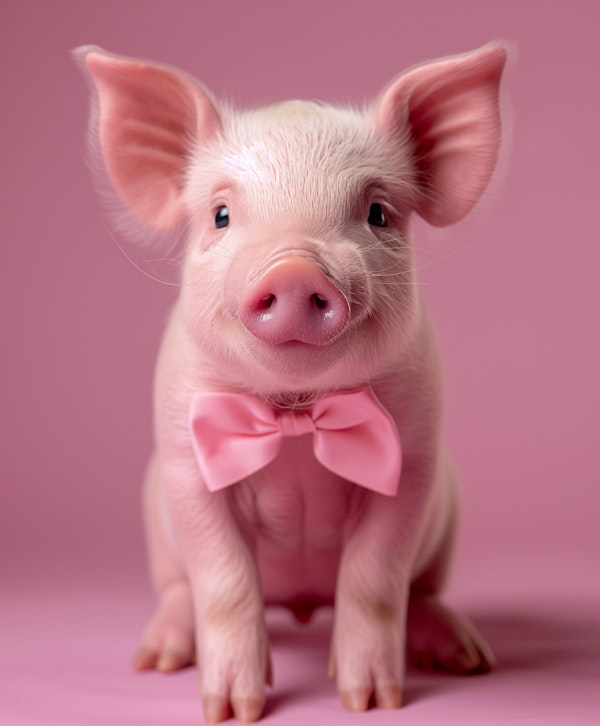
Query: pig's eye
[[221, 217], [377, 215]]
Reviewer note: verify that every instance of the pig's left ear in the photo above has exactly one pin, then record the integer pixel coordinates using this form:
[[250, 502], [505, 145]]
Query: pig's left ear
[[147, 118], [448, 112]]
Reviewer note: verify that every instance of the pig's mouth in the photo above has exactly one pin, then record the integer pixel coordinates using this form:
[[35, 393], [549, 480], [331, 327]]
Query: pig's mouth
[[295, 317], [296, 358]]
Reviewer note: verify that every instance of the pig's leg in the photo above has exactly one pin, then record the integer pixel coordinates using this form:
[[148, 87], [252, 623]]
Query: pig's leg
[[438, 638], [232, 648], [368, 648], [168, 640], [375, 601]]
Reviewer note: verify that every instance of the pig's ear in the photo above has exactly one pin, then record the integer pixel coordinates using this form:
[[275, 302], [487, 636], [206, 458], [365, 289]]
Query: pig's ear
[[448, 112], [147, 118]]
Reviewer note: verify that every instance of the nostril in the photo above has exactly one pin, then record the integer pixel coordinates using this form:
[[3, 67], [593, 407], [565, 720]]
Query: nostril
[[266, 302], [319, 301]]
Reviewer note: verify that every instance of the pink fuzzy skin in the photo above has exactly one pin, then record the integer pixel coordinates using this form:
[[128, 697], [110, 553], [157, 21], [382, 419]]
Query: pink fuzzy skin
[[298, 180]]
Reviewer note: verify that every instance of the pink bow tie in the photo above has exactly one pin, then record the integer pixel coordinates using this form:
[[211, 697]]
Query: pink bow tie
[[235, 435]]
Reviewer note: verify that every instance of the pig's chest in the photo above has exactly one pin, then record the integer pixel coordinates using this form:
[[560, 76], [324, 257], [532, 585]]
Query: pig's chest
[[297, 512]]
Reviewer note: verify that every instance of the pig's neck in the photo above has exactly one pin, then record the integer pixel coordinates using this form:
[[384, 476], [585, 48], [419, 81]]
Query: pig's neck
[[203, 374], [293, 400], [286, 397]]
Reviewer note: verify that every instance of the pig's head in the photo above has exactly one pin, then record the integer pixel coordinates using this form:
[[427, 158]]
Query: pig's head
[[298, 273]]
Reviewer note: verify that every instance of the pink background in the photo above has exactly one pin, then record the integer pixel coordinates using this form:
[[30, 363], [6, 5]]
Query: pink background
[[514, 290]]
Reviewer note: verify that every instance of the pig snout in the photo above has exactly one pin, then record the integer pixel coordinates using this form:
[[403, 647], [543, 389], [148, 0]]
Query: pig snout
[[293, 300]]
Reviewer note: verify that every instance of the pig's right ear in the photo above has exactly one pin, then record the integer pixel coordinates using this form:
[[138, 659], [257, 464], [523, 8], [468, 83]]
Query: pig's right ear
[[147, 119]]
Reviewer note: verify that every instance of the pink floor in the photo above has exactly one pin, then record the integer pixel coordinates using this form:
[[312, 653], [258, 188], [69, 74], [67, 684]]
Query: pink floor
[[66, 652]]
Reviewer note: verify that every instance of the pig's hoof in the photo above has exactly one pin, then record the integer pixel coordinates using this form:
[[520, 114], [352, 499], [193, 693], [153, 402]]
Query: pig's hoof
[[439, 639], [245, 710], [367, 658], [361, 699], [235, 666], [168, 641]]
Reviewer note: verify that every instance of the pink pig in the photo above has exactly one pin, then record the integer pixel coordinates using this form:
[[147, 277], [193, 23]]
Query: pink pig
[[299, 458]]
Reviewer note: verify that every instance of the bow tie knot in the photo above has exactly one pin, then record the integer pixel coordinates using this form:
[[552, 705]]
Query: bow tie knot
[[235, 435], [295, 423]]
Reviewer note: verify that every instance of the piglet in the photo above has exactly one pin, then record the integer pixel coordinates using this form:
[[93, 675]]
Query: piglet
[[299, 458]]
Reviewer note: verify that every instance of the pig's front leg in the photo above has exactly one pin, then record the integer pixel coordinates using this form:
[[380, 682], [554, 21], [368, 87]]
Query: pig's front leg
[[231, 639], [368, 647]]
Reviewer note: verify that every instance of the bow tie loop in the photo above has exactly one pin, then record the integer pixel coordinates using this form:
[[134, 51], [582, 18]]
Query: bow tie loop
[[235, 435]]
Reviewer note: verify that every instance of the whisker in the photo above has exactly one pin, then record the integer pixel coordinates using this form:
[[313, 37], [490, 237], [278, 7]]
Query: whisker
[[128, 257], [391, 283], [439, 259]]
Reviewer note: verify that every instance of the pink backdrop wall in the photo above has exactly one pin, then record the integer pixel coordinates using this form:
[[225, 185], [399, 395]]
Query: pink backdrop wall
[[517, 303]]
